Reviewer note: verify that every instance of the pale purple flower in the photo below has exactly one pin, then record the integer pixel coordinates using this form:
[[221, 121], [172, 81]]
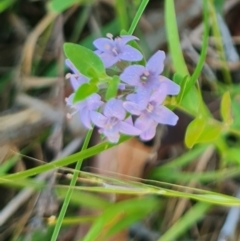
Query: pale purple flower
[[149, 77], [76, 78], [148, 107], [112, 50], [149, 133], [112, 122], [86, 106]]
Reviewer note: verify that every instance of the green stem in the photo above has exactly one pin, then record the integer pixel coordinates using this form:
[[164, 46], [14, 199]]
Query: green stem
[[219, 44], [70, 190], [138, 16]]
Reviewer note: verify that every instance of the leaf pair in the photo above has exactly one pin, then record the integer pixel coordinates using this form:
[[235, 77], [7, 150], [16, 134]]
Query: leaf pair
[[202, 130]]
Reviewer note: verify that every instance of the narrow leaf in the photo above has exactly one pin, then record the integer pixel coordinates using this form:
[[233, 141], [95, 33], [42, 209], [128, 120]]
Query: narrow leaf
[[84, 60], [186, 221], [60, 5], [210, 133], [112, 88], [226, 112], [194, 130], [113, 218], [84, 91], [173, 39], [4, 4], [203, 54]]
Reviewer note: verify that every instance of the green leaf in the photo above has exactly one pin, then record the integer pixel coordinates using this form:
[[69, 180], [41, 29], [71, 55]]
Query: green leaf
[[200, 131], [203, 54], [210, 133], [182, 82], [61, 162], [193, 98], [173, 39], [219, 4], [60, 5], [137, 16], [84, 59], [219, 43], [4, 4], [226, 112], [119, 216], [87, 199], [84, 91], [112, 87], [121, 10], [189, 218], [193, 132]]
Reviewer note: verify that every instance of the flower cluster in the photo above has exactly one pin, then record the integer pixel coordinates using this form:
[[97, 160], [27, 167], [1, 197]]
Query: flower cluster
[[138, 106]]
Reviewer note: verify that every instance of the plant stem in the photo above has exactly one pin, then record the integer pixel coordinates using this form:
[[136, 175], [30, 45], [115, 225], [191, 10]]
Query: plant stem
[[138, 16], [70, 190]]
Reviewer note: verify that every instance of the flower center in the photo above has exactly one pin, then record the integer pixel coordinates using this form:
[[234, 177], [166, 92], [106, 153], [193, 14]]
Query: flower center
[[150, 107], [144, 76], [115, 51], [111, 122], [107, 46]]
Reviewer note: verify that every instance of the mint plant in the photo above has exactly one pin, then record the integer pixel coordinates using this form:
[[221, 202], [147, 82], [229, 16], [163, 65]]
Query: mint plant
[[131, 100]]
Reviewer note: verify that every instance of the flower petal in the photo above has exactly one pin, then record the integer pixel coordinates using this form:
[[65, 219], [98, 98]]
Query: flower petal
[[131, 75], [163, 115], [98, 52], [121, 86], [71, 66], [108, 59], [111, 136], [126, 38], [151, 83], [132, 108], [98, 119], [74, 83], [114, 108], [85, 117], [141, 99], [143, 122], [159, 95], [94, 101], [156, 63], [69, 100], [149, 133], [103, 44], [128, 129], [172, 88], [129, 120], [130, 54]]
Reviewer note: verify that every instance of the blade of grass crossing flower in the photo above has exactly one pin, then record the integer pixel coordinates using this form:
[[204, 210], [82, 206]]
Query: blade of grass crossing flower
[[70, 190], [138, 16], [64, 161], [189, 218], [211, 176], [146, 189]]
